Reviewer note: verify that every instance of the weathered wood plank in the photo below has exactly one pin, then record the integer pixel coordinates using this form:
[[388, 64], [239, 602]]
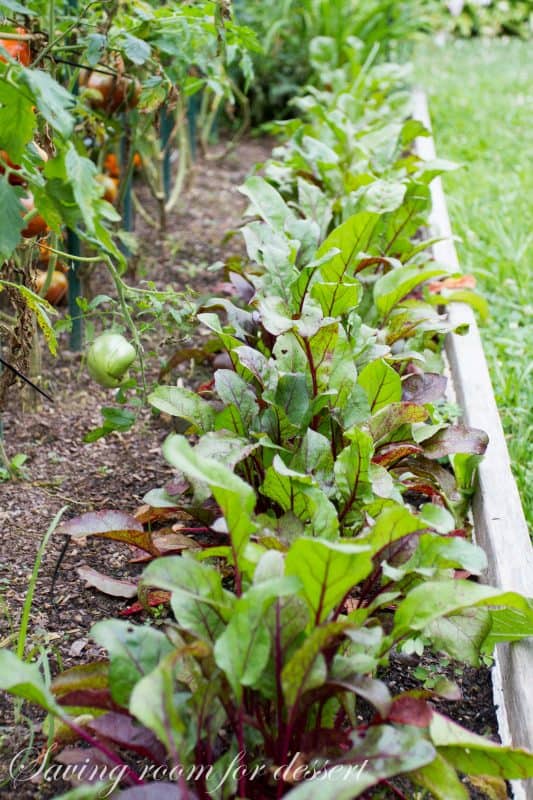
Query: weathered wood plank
[[499, 523]]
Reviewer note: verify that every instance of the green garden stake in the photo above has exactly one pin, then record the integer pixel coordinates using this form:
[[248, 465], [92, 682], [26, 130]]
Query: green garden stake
[[74, 284], [193, 109], [74, 291], [167, 126], [127, 205]]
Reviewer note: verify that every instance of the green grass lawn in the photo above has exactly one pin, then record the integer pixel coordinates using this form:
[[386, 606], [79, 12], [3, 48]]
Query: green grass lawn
[[481, 102]]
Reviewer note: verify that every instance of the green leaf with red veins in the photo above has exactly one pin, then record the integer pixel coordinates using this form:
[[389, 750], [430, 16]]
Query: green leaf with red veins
[[293, 397], [233, 390], [307, 669], [383, 196], [350, 239], [382, 752], [198, 601], [392, 287], [242, 651], [381, 383], [435, 599], [477, 755], [298, 493], [327, 571], [337, 299], [322, 347], [156, 703], [462, 635], [267, 203], [314, 457], [134, 651], [184, 404], [352, 471], [235, 497], [441, 780]]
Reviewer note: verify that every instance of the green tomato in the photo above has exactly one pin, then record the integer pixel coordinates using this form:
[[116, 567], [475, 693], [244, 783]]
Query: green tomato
[[108, 359]]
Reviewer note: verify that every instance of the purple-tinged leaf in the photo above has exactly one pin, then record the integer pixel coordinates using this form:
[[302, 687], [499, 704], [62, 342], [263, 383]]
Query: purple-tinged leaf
[[387, 421], [407, 710], [157, 791], [390, 454], [93, 676], [323, 742], [430, 472], [456, 439], [88, 764], [127, 734], [106, 584], [427, 388], [400, 551], [383, 751], [116, 525], [99, 522], [89, 698]]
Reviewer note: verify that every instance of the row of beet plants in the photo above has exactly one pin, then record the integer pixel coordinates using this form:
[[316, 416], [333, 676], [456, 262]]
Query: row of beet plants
[[334, 480]]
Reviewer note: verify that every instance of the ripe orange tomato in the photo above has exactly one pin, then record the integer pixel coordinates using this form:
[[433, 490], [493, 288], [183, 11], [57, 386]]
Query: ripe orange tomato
[[44, 252], [37, 225], [111, 165], [137, 161], [17, 49], [57, 289], [14, 180], [110, 186], [111, 91], [17, 180]]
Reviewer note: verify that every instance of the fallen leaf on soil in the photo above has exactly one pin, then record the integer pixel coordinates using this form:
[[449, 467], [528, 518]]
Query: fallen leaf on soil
[[106, 584], [116, 525], [77, 647]]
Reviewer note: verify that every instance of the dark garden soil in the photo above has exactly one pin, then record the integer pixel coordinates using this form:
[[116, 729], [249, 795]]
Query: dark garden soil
[[117, 471]]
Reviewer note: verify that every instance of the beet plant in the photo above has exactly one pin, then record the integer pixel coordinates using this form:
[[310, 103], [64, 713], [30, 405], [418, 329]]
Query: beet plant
[[334, 478]]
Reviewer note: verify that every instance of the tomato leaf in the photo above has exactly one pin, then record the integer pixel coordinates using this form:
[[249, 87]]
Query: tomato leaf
[[11, 223], [52, 100], [17, 121]]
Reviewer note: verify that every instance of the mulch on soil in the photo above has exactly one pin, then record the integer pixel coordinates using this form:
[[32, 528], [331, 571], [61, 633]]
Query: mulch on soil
[[117, 471]]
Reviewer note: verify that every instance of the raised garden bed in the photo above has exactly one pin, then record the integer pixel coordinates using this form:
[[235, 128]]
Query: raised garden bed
[[499, 523], [338, 539]]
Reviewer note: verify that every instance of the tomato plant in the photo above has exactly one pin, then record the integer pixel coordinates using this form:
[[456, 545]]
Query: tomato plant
[[335, 484]]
